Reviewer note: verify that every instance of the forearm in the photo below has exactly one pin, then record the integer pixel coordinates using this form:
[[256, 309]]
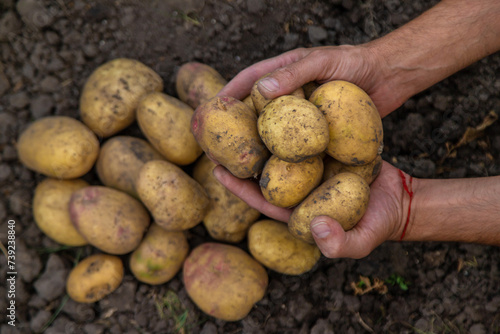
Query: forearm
[[445, 39], [463, 210]]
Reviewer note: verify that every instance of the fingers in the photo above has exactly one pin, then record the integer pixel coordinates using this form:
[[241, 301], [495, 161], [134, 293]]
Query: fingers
[[334, 242], [250, 192], [239, 87]]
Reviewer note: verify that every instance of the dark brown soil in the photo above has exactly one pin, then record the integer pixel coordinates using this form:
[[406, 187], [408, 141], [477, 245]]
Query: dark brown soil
[[49, 48]]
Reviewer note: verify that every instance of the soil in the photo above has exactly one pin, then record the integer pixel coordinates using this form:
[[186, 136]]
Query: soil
[[49, 48]]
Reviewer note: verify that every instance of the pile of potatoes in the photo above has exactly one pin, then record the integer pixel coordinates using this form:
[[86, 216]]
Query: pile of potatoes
[[154, 189]]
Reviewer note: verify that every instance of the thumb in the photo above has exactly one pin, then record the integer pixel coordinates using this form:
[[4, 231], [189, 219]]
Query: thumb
[[334, 242]]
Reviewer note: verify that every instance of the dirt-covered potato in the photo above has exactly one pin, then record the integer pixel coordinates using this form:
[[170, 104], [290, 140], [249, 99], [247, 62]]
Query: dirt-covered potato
[[356, 134], [176, 201], [226, 130], [112, 92], [248, 101], [108, 219], [275, 247], [343, 197], [159, 256], [166, 123], [228, 217], [51, 211], [224, 281], [259, 101], [94, 277], [293, 128], [58, 146], [369, 172], [309, 88], [286, 184], [120, 159], [197, 83]]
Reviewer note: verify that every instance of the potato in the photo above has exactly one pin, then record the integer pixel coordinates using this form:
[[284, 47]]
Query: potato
[[51, 211], [293, 129], [228, 217], [343, 197], [226, 130], [224, 281], [356, 134], [166, 123], [120, 159], [112, 92], [108, 219], [176, 201], [259, 101], [286, 184], [197, 83], [58, 146], [369, 172], [94, 278], [248, 101], [275, 247], [159, 256]]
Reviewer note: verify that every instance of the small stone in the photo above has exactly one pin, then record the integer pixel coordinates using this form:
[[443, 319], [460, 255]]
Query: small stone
[[352, 303], [55, 65], [317, 34], [52, 38], [19, 100], [20, 202], [422, 324], [299, 308], [90, 50], [122, 299], [41, 106], [79, 312], [39, 320], [28, 261], [424, 168], [93, 329], [493, 305], [322, 326], [256, 6]]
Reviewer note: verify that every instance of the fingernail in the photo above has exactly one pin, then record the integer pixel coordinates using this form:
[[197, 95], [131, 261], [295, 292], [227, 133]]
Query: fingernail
[[269, 84], [320, 229]]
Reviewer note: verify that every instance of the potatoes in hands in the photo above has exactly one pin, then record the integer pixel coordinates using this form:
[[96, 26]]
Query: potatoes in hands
[[196, 83], [369, 172], [112, 92], [51, 212], [293, 128], [343, 197], [108, 219], [286, 184], [159, 256], [228, 217], [120, 159], [58, 146], [355, 127], [94, 277], [166, 123], [275, 247], [226, 130], [176, 201], [224, 281]]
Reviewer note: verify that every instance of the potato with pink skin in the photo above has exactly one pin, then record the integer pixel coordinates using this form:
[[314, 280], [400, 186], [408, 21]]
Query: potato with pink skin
[[224, 281], [108, 219], [226, 130], [197, 83]]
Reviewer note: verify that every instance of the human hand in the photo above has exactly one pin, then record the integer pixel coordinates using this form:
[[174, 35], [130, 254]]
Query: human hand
[[290, 70], [383, 219]]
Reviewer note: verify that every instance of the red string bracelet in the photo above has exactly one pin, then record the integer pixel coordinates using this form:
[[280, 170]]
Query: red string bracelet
[[409, 191]]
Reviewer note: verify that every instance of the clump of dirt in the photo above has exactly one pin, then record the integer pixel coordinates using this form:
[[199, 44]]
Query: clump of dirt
[[49, 48]]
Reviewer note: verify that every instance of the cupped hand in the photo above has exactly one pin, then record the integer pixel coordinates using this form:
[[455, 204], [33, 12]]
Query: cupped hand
[[383, 219], [357, 64]]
